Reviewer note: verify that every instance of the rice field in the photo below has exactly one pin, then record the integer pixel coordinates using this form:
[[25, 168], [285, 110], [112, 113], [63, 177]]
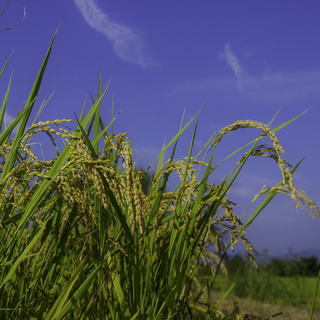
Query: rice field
[[81, 240], [287, 291]]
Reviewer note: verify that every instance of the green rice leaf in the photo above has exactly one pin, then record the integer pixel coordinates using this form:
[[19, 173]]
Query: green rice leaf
[[55, 311], [175, 138], [70, 304], [268, 199], [6, 133], [87, 141], [4, 104], [5, 66], [30, 102], [23, 255], [116, 207], [97, 117], [225, 295], [315, 296]]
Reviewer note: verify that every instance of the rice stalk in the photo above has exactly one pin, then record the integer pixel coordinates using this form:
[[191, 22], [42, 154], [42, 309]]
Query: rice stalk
[[80, 239]]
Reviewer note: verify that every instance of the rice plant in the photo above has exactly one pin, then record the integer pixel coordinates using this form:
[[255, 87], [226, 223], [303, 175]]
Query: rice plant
[[81, 240]]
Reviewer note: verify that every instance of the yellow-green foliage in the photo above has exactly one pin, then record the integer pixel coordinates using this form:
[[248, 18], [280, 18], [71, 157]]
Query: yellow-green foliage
[[289, 291], [79, 238]]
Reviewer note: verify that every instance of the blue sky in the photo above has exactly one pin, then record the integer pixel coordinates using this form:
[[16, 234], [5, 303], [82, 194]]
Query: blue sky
[[243, 60]]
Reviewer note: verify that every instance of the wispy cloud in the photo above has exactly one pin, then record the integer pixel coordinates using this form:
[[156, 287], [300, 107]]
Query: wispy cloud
[[280, 87], [127, 43], [272, 85], [244, 80], [248, 185], [233, 61], [7, 120]]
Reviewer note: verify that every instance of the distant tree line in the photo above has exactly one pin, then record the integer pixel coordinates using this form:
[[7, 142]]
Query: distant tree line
[[283, 267], [304, 266]]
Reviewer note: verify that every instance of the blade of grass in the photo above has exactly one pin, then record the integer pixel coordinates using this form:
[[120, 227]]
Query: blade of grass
[[23, 255], [6, 133], [87, 141], [54, 171], [314, 296], [225, 295], [5, 66], [30, 101], [43, 104], [261, 137], [268, 199], [103, 131], [112, 110], [251, 219], [4, 104], [79, 292], [82, 111], [56, 310], [175, 137], [116, 207], [97, 117]]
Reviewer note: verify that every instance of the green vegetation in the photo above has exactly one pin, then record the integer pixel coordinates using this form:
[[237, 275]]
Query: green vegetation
[[288, 266], [81, 240], [289, 282]]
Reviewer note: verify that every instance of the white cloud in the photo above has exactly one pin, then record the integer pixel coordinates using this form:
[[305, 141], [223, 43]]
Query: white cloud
[[249, 184], [271, 87], [233, 61], [127, 43], [243, 191], [7, 120], [244, 80], [275, 85]]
